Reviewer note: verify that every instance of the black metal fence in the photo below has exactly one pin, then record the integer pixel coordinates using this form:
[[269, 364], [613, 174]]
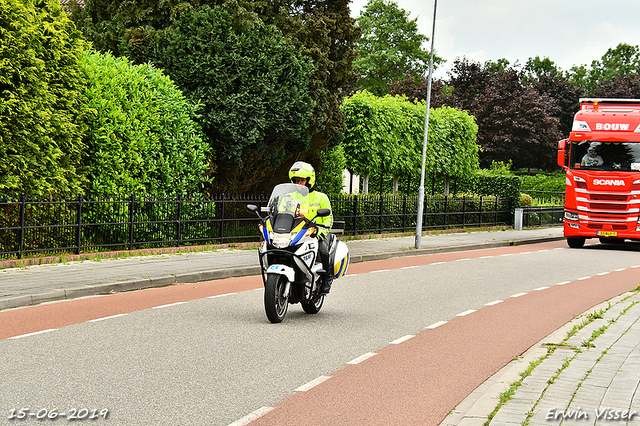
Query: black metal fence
[[533, 217], [39, 226], [365, 214]]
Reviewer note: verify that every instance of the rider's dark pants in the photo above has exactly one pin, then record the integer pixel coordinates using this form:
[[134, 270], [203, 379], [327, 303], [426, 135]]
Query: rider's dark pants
[[323, 249]]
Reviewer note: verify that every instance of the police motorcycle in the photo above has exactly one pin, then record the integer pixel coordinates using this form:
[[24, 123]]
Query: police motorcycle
[[291, 267]]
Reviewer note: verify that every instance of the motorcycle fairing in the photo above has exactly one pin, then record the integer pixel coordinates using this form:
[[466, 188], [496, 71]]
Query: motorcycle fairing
[[282, 270]]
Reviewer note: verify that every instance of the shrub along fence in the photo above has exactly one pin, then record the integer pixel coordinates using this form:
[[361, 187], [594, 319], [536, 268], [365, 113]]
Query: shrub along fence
[[39, 226]]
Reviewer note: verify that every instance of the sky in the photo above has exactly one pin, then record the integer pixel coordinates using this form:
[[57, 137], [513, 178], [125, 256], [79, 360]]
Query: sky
[[569, 32]]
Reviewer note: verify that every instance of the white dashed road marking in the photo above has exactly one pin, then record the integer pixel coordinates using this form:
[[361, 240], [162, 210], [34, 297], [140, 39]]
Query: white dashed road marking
[[313, 383], [402, 339], [362, 358]]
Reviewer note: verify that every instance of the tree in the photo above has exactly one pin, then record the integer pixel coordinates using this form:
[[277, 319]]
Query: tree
[[324, 31], [616, 63], [549, 80], [516, 123], [469, 80], [390, 48], [386, 134], [41, 102], [379, 134], [253, 85], [621, 87], [415, 89], [452, 150], [142, 137], [621, 61]]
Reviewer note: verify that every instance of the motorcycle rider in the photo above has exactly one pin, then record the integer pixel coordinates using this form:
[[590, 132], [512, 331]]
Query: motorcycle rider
[[302, 173]]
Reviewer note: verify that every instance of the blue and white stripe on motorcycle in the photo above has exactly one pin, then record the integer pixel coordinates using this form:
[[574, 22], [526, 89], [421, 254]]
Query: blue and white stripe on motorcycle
[[343, 267], [298, 237]]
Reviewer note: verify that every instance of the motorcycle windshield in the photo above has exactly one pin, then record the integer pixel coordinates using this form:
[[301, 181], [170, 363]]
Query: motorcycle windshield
[[289, 199]]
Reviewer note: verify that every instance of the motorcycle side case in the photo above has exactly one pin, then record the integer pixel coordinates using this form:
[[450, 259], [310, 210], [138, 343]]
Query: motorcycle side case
[[341, 262]]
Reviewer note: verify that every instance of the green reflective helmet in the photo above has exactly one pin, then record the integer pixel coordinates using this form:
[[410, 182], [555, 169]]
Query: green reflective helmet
[[300, 169]]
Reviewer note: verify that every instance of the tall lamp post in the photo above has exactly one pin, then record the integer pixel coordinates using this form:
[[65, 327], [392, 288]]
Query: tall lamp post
[[426, 133]]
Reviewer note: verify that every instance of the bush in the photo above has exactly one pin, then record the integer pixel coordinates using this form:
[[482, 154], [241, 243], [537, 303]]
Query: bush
[[41, 101], [142, 138], [525, 200]]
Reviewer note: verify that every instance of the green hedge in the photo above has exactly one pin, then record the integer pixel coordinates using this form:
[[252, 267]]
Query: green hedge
[[142, 136], [41, 99], [543, 182]]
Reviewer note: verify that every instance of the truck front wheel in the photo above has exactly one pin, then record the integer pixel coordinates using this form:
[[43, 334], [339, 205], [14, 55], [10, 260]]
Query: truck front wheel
[[576, 242]]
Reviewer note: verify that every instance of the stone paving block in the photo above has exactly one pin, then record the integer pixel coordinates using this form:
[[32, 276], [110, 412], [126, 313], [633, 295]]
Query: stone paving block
[[507, 417], [472, 421], [590, 392]]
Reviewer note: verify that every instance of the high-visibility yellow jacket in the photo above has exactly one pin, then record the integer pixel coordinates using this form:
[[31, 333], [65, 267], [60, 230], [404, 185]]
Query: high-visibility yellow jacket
[[319, 200]]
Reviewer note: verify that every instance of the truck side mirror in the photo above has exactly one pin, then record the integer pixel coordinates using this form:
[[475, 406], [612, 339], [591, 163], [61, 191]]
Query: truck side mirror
[[561, 153]]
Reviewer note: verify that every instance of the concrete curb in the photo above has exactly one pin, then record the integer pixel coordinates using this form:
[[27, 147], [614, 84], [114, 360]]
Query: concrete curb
[[216, 274]]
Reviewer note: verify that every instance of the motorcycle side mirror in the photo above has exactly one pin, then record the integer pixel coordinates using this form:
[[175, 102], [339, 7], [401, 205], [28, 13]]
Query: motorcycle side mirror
[[252, 208], [323, 212]]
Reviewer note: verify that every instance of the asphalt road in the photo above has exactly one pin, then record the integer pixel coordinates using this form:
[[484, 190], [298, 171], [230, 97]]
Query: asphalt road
[[200, 357]]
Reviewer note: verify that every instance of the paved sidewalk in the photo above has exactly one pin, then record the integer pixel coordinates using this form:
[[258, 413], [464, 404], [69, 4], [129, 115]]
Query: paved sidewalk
[[43, 283], [591, 377]]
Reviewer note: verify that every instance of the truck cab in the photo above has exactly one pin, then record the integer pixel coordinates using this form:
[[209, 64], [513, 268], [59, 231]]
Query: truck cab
[[601, 159]]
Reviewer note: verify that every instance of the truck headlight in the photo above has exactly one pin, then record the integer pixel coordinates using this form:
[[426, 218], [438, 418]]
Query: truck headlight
[[571, 216]]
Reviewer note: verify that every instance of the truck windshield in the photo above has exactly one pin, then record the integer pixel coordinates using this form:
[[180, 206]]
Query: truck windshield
[[608, 156]]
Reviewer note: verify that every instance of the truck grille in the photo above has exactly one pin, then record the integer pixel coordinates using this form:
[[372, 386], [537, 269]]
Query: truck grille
[[607, 206], [607, 217], [608, 197], [614, 227]]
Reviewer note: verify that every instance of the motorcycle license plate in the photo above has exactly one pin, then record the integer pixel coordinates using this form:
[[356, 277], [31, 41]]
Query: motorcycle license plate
[[607, 234]]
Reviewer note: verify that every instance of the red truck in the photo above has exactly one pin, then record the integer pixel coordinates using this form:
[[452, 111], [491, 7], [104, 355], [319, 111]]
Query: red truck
[[601, 159]]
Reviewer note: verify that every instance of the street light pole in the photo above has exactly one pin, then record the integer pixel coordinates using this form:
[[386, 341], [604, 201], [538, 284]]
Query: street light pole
[[426, 133]]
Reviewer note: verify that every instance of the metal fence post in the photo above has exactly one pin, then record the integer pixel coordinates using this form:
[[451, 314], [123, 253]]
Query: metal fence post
[[23, 201], [132, 200], [480, 219], [446, 203], [179, 230], [380, 213], [222, 218], [464, 209], [355, 215], [79, 223], [404, 212]]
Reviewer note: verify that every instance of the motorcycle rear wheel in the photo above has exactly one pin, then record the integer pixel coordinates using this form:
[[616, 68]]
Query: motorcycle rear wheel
[[313, 306], [276, 302]]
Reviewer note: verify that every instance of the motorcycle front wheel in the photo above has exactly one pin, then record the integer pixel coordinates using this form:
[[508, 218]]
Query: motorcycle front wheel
[[313, 306], [276, 302]]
